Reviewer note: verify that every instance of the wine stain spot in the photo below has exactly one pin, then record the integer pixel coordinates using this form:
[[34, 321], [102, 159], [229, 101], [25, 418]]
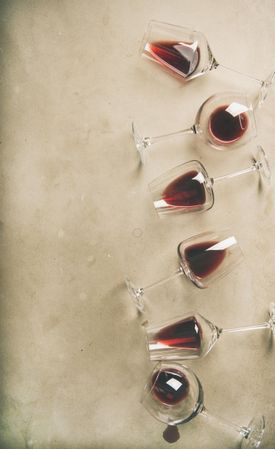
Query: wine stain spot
[[137, 232], [171, 434]]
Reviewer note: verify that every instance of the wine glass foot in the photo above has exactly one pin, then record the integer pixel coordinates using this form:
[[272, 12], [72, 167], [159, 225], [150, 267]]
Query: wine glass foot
[[141, 143], [265, 87], [136, 294], [256, 429], [262, 164], [272, 316]]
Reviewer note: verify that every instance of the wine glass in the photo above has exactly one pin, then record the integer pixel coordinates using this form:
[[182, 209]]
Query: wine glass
[[174, 395], [185, 53], [188, 187], [224, 121], [192, 336], [203, 259]]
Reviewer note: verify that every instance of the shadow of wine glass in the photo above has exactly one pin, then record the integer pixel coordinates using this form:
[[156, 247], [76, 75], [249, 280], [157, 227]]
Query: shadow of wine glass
[[270, 343]]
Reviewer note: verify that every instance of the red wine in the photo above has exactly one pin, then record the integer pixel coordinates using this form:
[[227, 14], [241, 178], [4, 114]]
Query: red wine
[[170, 386], [183, 57], [185, 334], [202, 259], [186, 190], [225, 127], [171, 434]]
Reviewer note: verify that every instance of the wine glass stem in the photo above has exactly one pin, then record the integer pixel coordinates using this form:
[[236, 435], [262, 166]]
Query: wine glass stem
[[235, 174], [155, 139], [244, 431], [164, 280], [241, 73], [254, 327]]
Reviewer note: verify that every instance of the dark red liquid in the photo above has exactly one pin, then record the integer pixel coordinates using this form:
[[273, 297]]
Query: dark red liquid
[[184, 334], [170, 386], [171, 434], [186, 190], [225, 127], [176, 55], [203, 260]]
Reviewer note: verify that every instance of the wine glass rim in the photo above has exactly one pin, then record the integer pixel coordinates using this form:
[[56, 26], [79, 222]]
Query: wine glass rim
[[177, 167], [191, 313], [218, 232], [230, 93], [174, 25]]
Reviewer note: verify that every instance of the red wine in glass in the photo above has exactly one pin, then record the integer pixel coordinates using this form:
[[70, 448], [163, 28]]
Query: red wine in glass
[[184, 334], [203, 258], [181, 57], [186, 190], [227, 125], [170, 386]]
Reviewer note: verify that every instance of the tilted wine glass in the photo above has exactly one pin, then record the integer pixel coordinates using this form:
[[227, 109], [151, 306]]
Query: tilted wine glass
[[189, 188], [224, 121], [174, 395], [203, 259], [185, 53], [192, 336]]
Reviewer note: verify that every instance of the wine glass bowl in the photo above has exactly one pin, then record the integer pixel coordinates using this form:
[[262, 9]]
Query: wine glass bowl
[[226, 121], [184, 189], [172, 394], [181, 51], [190, 336], [209, 256]]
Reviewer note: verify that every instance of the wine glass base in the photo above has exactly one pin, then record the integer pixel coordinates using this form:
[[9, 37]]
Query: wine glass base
[[256, 429], [140, 143], [136, 294], [272, 316], [262, 165], [265, 87]]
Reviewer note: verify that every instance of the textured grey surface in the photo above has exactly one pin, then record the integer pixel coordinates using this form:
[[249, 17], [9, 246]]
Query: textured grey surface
[[76, 217]]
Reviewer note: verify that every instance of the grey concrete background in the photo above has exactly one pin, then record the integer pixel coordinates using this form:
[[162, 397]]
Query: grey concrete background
[[76, 217]]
